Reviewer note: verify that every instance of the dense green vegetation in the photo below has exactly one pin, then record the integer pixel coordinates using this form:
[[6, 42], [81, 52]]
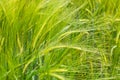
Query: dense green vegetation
[[59, 39]]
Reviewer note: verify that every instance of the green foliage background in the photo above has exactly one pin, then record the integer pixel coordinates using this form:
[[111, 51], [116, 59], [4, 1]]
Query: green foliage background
[[59, 39]]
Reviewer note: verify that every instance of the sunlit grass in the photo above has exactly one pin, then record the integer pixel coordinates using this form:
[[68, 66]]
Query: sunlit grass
[[59, 40]]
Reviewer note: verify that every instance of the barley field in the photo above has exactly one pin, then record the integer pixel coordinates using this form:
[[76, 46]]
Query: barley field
[[59, 39]]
